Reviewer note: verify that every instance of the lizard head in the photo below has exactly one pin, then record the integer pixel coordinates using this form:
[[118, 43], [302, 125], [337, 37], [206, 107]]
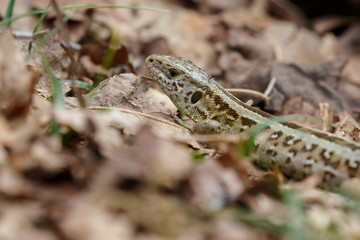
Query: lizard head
[[180, 79]]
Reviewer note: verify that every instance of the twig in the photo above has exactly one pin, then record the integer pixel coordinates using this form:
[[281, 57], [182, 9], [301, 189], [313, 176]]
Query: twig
[[249, 92], [270, 86]]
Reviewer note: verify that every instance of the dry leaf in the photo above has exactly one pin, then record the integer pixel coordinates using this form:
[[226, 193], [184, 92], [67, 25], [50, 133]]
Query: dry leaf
[[18, 219], [130, 92], [298, 45], [157, 160], [83, 220], [213, 185], [16, 82], [347, 127]]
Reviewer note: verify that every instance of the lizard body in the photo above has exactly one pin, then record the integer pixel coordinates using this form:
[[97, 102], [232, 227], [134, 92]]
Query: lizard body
[[298, 151]]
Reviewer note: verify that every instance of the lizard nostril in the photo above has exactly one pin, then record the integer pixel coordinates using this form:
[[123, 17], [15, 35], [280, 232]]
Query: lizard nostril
[[151, 60]]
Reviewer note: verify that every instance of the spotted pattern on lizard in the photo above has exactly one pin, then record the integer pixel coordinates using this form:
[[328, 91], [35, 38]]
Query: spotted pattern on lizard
[[298, 151]]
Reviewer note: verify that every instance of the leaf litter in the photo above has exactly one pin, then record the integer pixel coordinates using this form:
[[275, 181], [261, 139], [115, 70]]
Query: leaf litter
[[123, 169]]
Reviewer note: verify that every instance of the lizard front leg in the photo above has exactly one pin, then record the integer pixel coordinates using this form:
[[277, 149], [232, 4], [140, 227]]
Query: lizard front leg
[[207, 126], [202, 127]]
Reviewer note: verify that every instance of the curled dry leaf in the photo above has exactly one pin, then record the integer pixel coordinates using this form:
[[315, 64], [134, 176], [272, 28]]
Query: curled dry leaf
[[21, 138], [49, 155], [350, 89], [150, 158], [298, 45], [351, 70], [131, 121], [331, 48], [350, 38], [157, 159], [213, 185], [327, 23], [107, 139], [145, 210], [55, 55], [347, 127], [314, 83], [16, 82], [252, 48], [12, 184], [83, 220], [44, 159], [297, 105], [18, 220], [165, 162], [130, 92], [131, 98], [20, 7]]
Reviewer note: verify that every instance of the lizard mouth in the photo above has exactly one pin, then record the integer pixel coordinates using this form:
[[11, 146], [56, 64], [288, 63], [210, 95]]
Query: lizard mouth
[[153, 66], [155, 69]]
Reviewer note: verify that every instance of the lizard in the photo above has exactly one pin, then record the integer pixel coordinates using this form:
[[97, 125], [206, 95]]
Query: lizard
[[298, 151]]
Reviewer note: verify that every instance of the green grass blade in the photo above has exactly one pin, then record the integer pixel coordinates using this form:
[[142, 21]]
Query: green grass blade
[[254, 220], [8, 14], [297, 228], [58, 99], [53, 128], [109, 57], [79, 84], [41, 19]]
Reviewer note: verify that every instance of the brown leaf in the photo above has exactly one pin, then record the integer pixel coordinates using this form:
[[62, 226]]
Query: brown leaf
[[297, 105], [16, 82], [154, 159], [347, 127], [298, 45], [83, 220], [251, 47], [214, 185], [18, 221], [56, 57], [12, 184], [254, 16], [21, 7], [130, 92], [93, 126]]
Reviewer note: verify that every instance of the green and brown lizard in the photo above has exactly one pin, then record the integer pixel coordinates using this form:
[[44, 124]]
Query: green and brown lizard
[[298, 151]]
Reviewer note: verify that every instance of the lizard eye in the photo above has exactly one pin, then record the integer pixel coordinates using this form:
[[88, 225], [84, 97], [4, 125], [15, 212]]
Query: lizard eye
[[196, 97], [173, 72]]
